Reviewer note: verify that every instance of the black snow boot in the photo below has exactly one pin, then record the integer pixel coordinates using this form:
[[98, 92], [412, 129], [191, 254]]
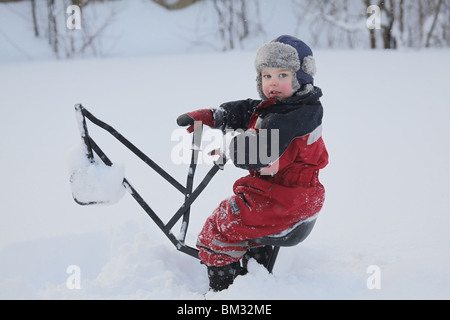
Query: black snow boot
[[261, 254], [220, 278]]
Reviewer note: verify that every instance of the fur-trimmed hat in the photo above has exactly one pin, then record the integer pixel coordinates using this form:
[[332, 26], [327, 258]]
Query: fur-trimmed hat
[[289, 53]]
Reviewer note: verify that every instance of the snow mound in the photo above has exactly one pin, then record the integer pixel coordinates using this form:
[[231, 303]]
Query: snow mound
[[94, 183]]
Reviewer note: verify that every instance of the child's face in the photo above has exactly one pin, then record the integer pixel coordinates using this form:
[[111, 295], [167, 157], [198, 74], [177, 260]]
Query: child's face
[[277, 83]]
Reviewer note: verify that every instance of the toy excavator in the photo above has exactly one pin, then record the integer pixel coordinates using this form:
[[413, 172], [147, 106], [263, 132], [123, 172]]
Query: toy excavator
[[92, 195]]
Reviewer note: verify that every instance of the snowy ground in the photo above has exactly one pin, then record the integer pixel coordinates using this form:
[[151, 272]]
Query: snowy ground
[[385, 126]]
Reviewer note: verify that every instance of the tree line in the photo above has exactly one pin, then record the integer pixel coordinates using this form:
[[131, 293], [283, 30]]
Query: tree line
[[328, 23]]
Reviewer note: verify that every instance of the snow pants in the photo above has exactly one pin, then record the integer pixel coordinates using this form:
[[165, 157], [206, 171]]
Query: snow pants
[[258, 208]]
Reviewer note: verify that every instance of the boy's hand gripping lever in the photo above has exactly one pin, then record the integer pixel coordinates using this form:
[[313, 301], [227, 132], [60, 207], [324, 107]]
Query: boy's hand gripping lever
[[196, 118]]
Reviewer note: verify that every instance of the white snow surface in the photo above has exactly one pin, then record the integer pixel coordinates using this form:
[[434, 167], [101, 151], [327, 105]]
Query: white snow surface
[[385, 126]]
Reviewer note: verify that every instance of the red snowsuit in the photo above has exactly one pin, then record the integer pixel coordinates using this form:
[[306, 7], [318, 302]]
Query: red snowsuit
[[276, 194]]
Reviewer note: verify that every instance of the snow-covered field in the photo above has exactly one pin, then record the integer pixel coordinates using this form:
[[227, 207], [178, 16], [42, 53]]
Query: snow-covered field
[[387, 207], [386, 125]]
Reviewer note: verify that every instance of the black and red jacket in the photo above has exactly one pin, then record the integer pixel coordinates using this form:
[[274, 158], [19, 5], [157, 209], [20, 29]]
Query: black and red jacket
[[298, 133]]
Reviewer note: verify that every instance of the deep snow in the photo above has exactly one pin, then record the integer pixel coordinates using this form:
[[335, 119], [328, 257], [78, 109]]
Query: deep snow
[[385, 126]]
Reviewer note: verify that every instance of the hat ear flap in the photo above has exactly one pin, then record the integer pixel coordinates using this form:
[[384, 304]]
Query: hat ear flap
[[309, 66], [259, 87]]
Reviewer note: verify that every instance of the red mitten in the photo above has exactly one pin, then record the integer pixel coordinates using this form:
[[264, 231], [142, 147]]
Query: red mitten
[[203, 116]]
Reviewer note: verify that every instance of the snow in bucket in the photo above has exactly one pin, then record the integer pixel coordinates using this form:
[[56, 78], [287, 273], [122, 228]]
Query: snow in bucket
[[94, 183]]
